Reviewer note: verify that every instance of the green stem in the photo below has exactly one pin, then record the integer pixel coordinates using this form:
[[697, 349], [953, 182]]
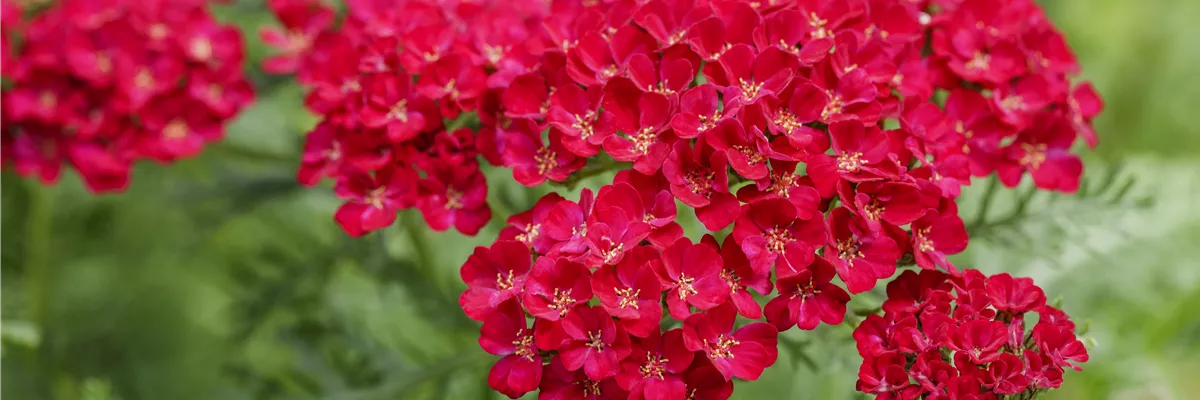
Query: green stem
[[416, 235], [988, 195], [37, 251], [607, 164], [38, 273]]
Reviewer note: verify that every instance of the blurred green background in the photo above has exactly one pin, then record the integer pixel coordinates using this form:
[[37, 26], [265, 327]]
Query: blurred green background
[[219, 278]]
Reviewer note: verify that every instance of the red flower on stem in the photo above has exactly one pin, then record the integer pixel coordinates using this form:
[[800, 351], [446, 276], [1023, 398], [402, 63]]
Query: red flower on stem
[[743, 353], [655, 366], [631, 292], [808, 298], [374, 200], [506, 334], [493, 275], [595, 344], [691, 272]]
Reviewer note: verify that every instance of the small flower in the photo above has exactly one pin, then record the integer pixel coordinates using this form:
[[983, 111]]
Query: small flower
[[374, 200], [743, 353], [655, 366], [699, 179], [808, 298], [533, 161], [776, 234], [935, 237], [560, 383], [493, 275], [860, 256], [1014, 295], [596, 343], [691, 272], [630, 291], [506, 334], [455, 195], [555, 287]]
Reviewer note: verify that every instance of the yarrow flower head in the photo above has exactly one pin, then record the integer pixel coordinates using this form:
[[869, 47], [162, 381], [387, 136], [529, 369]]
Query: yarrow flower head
[[946, 336], [99, 86], [825, 143]]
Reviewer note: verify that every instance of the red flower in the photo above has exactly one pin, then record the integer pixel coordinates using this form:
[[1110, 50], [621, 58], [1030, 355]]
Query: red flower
[[973, 60], [576, 112], [743, 353], [505, 333], [455, 81], [896, 203], [611, 230], [691, 272], [643, 118], [179, 127], [1041, 371], [655, 366], [390, 104], [596, 60], [808, 298], [859, 155], [783, 182], [657, 205], [222, 93], [932, 373], [824, 19], [914, 292], [935, 236], [668, 76], [1014, 295], [699, 178], [596, 343], [780, 30], [532, 161], [830, 98], [630, 291], [566, 224], [885, 376], [971, 116], [527, 228], [1059, 343], [205, 42], [560, 383], [1044, 151], [493, 276], [555, 286], [1005, 375], [705, 382], [375, 200], [753, 75], [1017, 104], [776, 234], [455, 195], [699, 112], [668, 21], [740, 276], [860, 256], [980, 340], [746, 150], [304, 21], [1084, 104]]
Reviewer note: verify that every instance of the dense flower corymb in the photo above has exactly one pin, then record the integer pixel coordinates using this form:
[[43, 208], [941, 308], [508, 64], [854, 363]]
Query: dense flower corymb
[[946, 336], [99, 86], [825, 142]]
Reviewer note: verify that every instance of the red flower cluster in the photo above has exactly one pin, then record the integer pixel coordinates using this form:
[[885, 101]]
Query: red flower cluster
[[832, 136], [100, 84], [616, 348], [964, 337], [391, 81]]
